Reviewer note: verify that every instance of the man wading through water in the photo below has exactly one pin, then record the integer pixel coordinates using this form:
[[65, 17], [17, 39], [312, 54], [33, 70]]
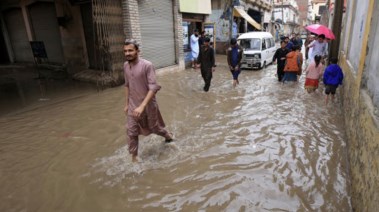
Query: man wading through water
[[206, 60], [234, 56], [141, 108], [280, 59]]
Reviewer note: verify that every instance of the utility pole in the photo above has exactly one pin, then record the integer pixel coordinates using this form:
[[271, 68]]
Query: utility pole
[[273, 32], [336, 28], [283, 12], [231, 20]]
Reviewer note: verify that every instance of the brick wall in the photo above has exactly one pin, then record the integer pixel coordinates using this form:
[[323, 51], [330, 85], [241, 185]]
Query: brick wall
[[178, 36], [131, 20]]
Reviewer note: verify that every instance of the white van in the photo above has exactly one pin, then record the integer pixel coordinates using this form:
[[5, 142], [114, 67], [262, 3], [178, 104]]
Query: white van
[[258, 49]]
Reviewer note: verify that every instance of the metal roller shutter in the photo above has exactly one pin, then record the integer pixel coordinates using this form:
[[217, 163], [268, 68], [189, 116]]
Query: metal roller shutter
[[157, 31], [17, 34], [46, 29]]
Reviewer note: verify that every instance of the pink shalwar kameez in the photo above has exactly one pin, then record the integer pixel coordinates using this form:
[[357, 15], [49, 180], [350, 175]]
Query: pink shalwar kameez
[[140, 78]]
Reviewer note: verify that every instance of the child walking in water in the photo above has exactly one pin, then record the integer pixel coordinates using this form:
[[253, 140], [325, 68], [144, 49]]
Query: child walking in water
[[313, 74], [333, 77]]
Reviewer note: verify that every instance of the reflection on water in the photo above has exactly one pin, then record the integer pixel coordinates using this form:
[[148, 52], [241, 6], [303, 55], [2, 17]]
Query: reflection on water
[[28, 87], [261, 147]]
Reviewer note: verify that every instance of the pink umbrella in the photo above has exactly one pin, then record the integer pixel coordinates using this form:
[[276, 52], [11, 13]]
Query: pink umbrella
[[321, 29]]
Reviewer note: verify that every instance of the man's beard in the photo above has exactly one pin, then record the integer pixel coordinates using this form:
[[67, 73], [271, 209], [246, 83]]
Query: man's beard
[[131, 58]]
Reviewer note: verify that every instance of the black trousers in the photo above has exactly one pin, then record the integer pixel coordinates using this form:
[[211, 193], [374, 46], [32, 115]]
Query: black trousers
[[207, 76], [280, 72]]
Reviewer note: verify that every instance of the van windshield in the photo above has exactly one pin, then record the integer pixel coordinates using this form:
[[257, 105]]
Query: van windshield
[[251, 44]]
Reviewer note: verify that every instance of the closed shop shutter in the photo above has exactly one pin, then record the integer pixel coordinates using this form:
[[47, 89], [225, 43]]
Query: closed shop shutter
[[18, 37], [46, 29], [157, 31]]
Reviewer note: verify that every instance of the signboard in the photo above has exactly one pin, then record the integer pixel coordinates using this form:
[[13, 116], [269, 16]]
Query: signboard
[[79, 1], [210, 32], [185, 35], [38, 49], [195, 6]]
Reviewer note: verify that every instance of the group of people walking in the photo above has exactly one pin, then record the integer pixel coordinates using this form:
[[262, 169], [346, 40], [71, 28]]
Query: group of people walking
[[141, 108], [203, 56], [289, 61]]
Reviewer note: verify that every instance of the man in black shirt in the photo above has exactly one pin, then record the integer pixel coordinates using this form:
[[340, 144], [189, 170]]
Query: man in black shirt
[[206, 60], [201, 39], [280, 59]]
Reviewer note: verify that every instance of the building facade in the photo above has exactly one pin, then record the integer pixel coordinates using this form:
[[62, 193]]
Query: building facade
[[194, 16], [85, 37], [304, 13], [286, 13], [319, 7], [240, 16], [330, 15]]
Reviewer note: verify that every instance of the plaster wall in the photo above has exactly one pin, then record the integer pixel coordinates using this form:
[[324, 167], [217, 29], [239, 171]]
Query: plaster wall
[[363, 146], [359, 62]]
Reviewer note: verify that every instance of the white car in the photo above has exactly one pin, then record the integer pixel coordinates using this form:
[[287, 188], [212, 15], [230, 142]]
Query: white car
[[258, 49]]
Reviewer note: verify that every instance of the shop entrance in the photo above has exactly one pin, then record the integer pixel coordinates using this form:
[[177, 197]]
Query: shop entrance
[[4, 58]]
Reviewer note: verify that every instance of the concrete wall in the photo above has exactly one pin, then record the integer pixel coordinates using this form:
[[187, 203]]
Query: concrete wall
[[362, 122], [222, 31], [72, 35], [363, 146], [371, 74]]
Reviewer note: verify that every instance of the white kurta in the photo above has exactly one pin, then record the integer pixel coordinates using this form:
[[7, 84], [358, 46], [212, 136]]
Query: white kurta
[[194, 46]]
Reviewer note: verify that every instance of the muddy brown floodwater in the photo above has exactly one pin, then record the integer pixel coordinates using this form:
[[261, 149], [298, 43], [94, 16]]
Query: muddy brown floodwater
[[264, 146]]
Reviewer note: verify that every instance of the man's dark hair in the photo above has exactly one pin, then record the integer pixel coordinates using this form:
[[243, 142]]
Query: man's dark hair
[[282, 41], [321, 36], [295, 47], [233, 41], [286, 37], [195, 30], [133, 42], [333, 60], [202, 32], [317, 60], [207, 39]]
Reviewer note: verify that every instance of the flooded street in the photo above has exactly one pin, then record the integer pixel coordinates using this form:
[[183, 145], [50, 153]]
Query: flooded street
[[263, 146]]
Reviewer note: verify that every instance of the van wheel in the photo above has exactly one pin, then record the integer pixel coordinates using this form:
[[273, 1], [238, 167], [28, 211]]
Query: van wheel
[[264, 66]]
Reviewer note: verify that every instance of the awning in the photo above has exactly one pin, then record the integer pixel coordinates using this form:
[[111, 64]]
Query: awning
[[241, 13]]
